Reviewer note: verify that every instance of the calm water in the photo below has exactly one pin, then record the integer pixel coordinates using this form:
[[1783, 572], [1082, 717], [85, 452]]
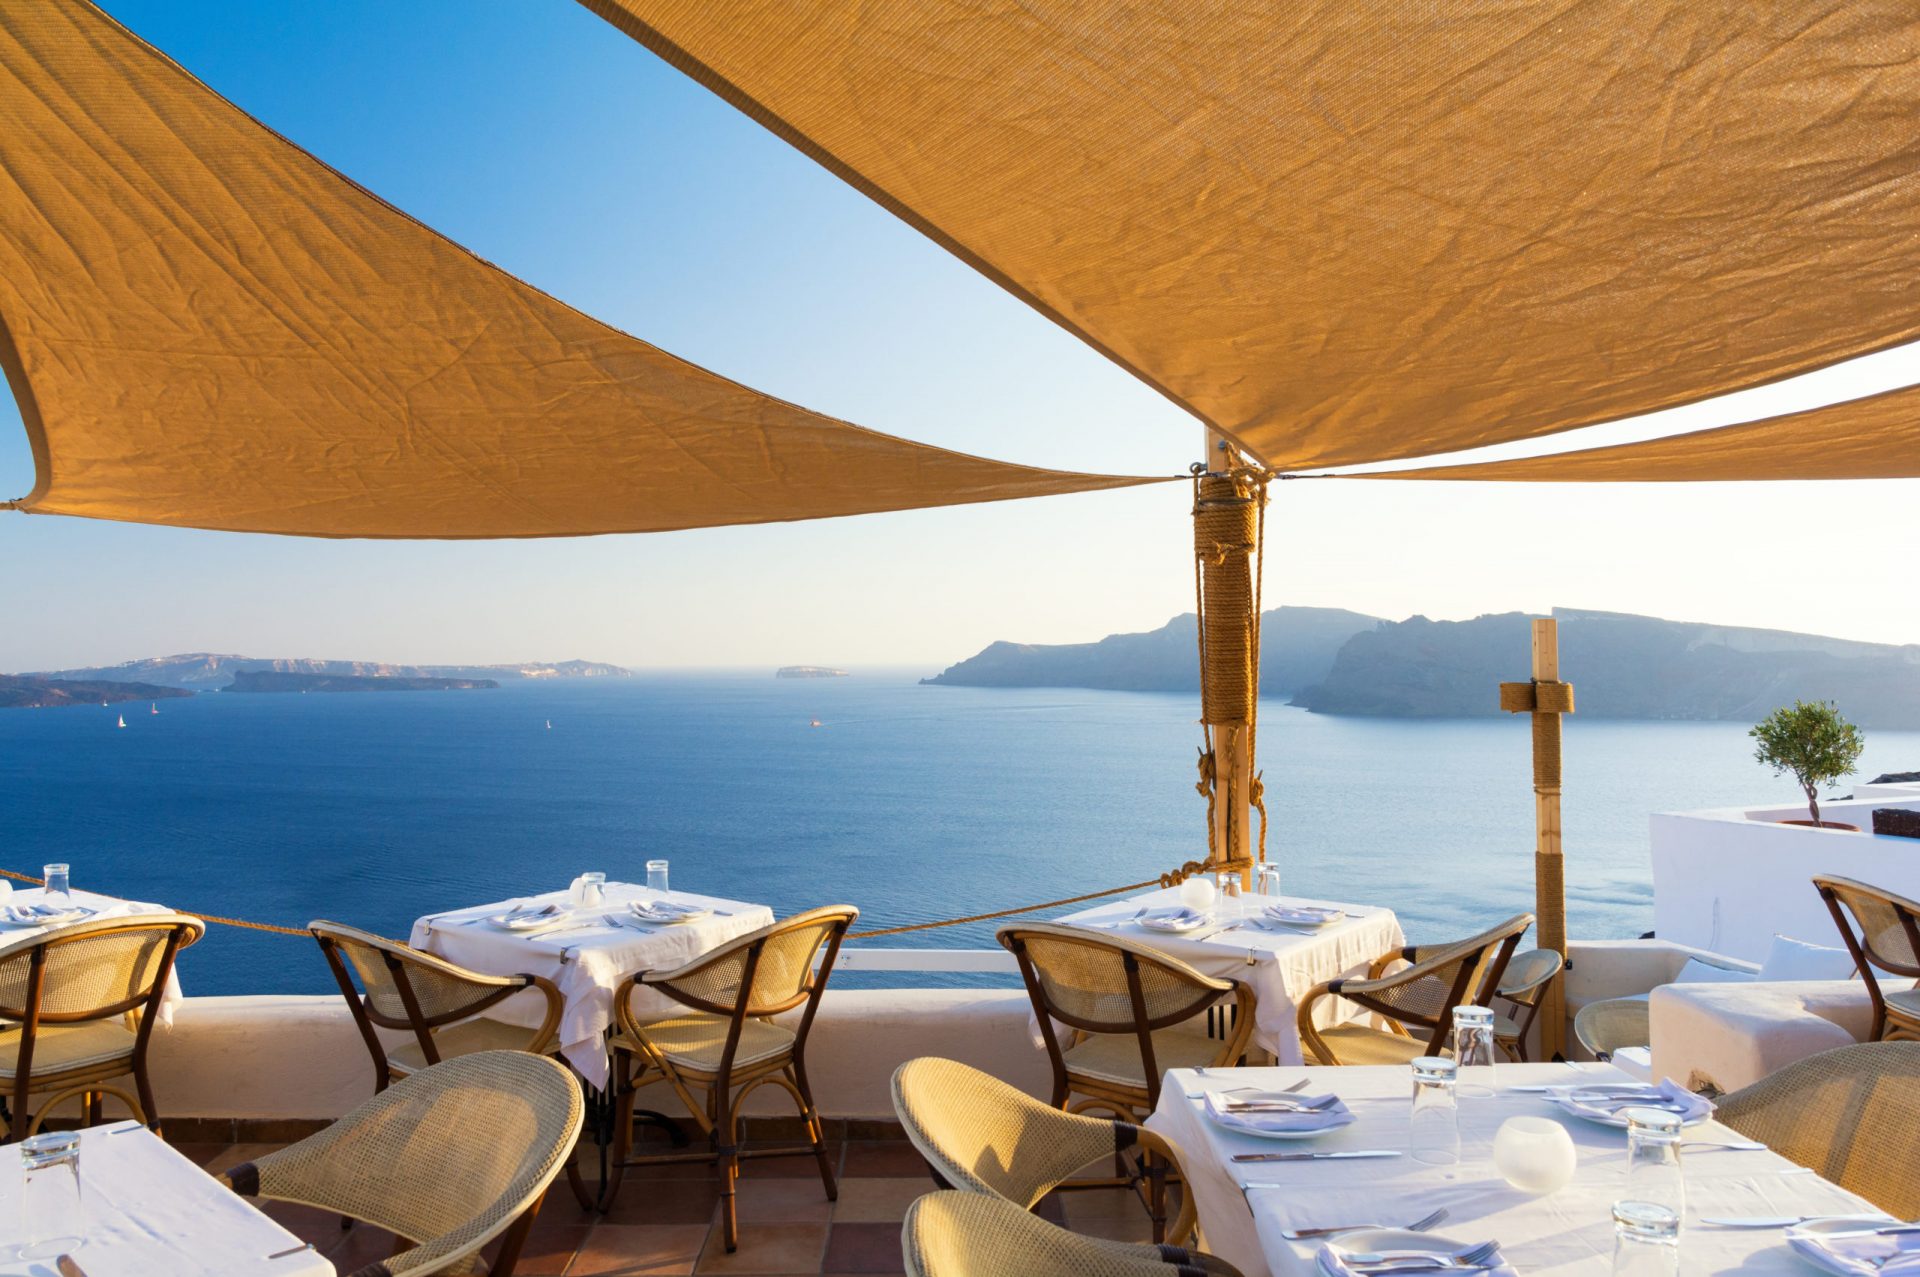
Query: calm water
[[912, 802]]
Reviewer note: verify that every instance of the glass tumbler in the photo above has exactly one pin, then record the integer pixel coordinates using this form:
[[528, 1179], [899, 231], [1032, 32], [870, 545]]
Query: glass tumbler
[[50, 1195], [657, 876], [1473, 1050], [594, 889], [1433, 1133], [1227, 884], [59, 887], [1653, 1161], [1270, 881], [1646, 1240]]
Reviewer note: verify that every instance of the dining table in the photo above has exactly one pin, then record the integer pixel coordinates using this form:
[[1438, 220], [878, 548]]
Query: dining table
[[1280, 962], [1246, 1207], [587, 952], [147, 1211], [100, 907]]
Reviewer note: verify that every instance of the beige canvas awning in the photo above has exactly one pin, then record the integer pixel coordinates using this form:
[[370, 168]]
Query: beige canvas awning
[[1873, 438], [1354, 232], [205, 326]]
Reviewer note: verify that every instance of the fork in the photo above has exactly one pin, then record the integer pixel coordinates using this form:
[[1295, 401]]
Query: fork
[[1472, 1259], [1739, 1146], [1419, 1225]]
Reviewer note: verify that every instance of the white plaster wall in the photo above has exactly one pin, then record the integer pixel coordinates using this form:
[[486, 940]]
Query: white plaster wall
[[1729, 880]]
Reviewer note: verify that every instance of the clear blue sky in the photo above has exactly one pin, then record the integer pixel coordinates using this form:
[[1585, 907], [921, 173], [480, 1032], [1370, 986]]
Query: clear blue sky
[[550, 144]]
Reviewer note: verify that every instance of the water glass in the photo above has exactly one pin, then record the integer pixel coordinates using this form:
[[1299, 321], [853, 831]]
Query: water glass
[[1270, 881], [1473, 1050], [657, 876], [593, 889], [1227, 884], [1434, 1129], [59, 888], [1646, 1240], [1653, 1161], [50, 1210]]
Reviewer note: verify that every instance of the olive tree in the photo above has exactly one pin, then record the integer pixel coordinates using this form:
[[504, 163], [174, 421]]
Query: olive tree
[[1810, 741]]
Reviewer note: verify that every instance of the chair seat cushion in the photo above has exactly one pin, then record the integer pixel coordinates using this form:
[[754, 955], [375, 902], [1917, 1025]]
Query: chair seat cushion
[[464, 1038], [697, 1039], [59, 1047], [1358, 1044], [1115, 1057]]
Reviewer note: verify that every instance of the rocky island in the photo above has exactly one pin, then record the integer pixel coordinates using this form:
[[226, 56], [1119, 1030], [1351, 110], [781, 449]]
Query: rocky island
[[808, 671], [22, 691], [278, 681], [217, 670]]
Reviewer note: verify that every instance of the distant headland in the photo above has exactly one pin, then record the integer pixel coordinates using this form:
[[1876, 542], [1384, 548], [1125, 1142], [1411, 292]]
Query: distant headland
[[18, 691], [278, 681], [808, 671]]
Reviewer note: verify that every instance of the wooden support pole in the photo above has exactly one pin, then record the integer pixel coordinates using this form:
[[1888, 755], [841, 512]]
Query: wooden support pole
[[1545, 699], [1224, 519]]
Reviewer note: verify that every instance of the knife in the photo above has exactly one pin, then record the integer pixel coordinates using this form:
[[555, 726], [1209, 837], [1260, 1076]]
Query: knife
[[1788, 1221], [1340, 1155]]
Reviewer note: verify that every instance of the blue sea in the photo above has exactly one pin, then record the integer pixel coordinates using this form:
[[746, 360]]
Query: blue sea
[[914, 803]]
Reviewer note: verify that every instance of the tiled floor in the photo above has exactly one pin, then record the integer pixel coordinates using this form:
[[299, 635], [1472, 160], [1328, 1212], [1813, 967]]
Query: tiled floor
[[664, 1220]]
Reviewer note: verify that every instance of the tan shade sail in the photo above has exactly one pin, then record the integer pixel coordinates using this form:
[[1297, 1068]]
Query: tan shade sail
[[205, 326], [1873, 438], [1344, 232]]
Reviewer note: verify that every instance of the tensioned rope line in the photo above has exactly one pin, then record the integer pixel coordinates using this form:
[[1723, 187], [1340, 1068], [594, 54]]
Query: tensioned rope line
[[1164, 880]]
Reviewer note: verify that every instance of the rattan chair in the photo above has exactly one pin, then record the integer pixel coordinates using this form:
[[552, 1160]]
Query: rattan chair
[[1604, 1027], [448, 1159], [439, 1003], [1420, 996], [1885, 934], [82, 1001], [726, 1045], [955, 1234], [1136, 1012], [1521, 988], [980, 1135], [1851, 1114]]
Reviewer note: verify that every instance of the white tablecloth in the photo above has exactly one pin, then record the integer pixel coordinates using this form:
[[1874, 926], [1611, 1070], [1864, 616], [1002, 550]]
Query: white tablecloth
[[1280, 967], [149, 1212], [104, 907], [1570, 1231], [586, 965]]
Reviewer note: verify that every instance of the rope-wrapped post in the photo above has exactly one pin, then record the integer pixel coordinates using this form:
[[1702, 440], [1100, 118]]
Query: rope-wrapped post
[[1226, 537], [1546, 698]]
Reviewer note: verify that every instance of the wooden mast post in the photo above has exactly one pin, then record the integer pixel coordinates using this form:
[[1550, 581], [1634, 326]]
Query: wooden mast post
[[1546, 698], [1225, 523]]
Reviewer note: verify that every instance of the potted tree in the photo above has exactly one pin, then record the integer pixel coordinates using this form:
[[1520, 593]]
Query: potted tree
[[1810, 741]]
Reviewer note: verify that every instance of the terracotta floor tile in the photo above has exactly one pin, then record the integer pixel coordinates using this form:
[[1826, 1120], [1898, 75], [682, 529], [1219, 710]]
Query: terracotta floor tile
[[785, 1201], [308, 1223], [800, 1166], [863, 1248], [548, 1250], [767, 1248], [878, 1201], [358, 1247], [1102, 1203], [1138, 1229], [197, 1153], [234, 1154], [885, 1158], [664, 1201], [629, 1250]]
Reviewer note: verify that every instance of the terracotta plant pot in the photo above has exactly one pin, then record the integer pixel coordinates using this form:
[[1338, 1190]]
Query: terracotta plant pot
[[1822, 824]]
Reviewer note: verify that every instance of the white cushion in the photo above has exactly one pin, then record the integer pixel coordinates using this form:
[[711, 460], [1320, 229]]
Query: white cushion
[[1698, 972], [1789, 959]]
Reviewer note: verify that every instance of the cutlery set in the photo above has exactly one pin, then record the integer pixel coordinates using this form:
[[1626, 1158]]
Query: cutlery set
[[1418, 1226]]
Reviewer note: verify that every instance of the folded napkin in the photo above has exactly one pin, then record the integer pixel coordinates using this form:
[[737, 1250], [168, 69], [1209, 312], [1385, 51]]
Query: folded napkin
[[40, 912], [1864, 1252], [1612, 1100], [1331, 1118], [1332, 1261], [1303, 915], [1177, 918], [666, 910], [527, 914]]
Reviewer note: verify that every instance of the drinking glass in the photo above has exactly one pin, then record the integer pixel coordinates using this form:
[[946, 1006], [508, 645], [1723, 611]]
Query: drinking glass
[[657, 876], [1434, 1129], [1270, 881], [595, 892], [1646, 1240], [1473, 1050], [50, 1195], [1653, 1161], [59, 888], [1227, 884]]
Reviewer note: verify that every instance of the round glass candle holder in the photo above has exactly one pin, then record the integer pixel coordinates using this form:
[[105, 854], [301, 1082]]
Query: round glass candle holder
[[1535, 1154], [1198, 892]]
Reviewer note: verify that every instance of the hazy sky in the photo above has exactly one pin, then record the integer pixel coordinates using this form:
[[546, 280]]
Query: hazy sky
[[552, 145]]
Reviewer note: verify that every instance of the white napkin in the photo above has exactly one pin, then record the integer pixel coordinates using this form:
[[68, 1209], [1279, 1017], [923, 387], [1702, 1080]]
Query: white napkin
[[34, 913], [1177, 918], [1613, 1100], [1333, 1263], [1331, 1118], [666, 910], [1864, 1253], [527, 914], [1307, 915]]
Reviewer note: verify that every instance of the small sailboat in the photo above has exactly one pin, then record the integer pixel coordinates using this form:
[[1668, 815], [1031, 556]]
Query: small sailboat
[[549, 724], [813, 722], [123, 720], [153, 709]]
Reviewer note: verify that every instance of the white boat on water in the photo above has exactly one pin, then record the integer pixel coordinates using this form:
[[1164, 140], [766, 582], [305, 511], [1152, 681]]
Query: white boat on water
[[123, 720], [153, 709]]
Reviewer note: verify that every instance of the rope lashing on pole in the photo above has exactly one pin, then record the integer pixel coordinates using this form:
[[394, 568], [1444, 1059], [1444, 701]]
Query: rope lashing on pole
[[1546, 698], [1229, 535]]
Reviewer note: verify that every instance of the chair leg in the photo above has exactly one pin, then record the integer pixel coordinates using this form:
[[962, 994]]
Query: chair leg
[[144, 1086], [1156, 1171], [515, 1238], [817, 1129], [725, 1129]]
